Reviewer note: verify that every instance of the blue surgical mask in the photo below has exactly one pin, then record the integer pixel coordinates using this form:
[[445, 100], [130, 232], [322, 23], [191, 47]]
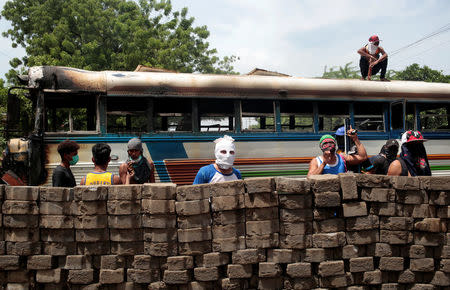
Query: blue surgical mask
[[135, 160], [74, 160]]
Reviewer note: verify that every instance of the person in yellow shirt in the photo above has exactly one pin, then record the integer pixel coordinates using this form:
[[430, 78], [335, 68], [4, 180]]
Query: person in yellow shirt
[[101, 158]]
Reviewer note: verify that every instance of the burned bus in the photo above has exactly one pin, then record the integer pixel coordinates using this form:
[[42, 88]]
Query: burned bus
[[275, 120]]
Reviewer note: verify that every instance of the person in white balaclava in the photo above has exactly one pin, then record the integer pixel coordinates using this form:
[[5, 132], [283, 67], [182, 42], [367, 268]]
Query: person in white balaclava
[[221, 170], [371, 62]]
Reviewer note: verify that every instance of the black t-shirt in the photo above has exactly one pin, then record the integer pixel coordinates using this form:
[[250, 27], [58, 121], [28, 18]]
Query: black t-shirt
[[63, 177], [142, 171]]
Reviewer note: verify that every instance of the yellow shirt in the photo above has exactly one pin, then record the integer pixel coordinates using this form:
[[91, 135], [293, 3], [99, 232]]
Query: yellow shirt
[[100, 178]]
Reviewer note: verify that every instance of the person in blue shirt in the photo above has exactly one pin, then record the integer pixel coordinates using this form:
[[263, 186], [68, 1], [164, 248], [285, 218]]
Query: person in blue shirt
[[332, 163], [222, 170]]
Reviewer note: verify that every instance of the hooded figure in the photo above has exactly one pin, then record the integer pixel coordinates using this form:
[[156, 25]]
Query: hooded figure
[[379, 164], [413, 159], [222, 169], [224, 152]]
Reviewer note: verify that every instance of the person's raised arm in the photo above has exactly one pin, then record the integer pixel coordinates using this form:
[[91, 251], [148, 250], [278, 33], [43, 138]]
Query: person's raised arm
[[315, 169], [361, 155]]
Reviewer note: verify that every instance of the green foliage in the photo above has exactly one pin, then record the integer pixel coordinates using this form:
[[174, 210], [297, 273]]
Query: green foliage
[[111, 35], [3, 100], [416, 73], [346, 72]]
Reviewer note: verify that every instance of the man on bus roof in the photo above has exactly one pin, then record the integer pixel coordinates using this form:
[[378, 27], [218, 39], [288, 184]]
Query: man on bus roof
[[101, 158], [370, 62], [332, 163], [137, 169], [222, 170], [413, 160]]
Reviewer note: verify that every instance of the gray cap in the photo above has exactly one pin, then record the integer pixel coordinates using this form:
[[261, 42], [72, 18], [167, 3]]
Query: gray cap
[[135, 144]]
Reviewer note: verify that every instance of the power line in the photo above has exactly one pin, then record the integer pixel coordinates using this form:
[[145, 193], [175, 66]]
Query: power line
[[441, 30], [420, 53]]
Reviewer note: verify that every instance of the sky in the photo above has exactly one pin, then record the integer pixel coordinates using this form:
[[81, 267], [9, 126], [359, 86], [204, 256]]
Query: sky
[[301, 37]]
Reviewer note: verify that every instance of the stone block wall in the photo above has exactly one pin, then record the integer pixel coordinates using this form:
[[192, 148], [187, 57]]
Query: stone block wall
[[347, 231]]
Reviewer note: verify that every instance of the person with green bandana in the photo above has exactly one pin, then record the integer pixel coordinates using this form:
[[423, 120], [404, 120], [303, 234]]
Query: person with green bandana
[[62, 175], [333, 163]]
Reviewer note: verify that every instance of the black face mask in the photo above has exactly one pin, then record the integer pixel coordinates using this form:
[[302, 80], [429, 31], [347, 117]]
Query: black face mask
[[415, 148], [389, 152]]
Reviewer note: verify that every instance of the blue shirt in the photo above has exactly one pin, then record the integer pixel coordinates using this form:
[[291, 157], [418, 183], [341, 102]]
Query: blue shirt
[[338, 167], [209, 174]]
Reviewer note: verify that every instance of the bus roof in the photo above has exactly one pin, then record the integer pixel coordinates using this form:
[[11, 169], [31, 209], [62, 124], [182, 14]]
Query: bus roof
[[169, 84]]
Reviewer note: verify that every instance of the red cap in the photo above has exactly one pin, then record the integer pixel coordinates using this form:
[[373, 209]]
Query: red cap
[[412, 136], [374, 38]]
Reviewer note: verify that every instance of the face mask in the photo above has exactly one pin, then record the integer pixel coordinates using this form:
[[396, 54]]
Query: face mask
[[329, 147], [225, 160], [414, 148], [135, 160], [74, 160], [372, 48]]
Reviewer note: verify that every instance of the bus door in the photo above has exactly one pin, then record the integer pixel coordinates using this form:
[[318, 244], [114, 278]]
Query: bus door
[[397, 118]]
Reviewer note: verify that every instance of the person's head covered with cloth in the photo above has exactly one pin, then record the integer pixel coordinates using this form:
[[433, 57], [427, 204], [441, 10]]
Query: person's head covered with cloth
[[225, 151], [414, 153]]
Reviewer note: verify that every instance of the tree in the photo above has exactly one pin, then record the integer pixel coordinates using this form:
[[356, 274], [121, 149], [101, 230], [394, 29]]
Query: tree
[[346, 72], [416, 73], [110, 35]]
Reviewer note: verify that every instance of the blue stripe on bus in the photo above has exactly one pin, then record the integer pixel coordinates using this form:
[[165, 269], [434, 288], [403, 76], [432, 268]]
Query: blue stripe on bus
[[161, 169], [166, 150]]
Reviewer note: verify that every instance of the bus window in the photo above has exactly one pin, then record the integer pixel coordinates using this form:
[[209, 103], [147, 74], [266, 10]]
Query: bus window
[[73, 114], [435, 117], [332, 115], [126, 115], [258, 115], [369, 116], [172, 114], [216, 115], [297, 116], [397, 116], [410, 117]]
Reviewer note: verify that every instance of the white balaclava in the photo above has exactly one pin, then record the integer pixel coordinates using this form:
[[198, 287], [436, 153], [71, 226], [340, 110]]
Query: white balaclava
[[371, 47], [224, 161]]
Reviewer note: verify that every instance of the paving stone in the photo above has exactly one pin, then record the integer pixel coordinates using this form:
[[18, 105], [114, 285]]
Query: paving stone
[[348, 186], [248, 256], [206, 273], [353, 209], [125, 192], [361, 264], [292, 185], [324, 182], [327, 199], [108, 276], [259, 184], [238, 271], [331, 268], [159, 191], [299, 270], [422, 265], [391, 264], [329, 240], [194, 207]]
